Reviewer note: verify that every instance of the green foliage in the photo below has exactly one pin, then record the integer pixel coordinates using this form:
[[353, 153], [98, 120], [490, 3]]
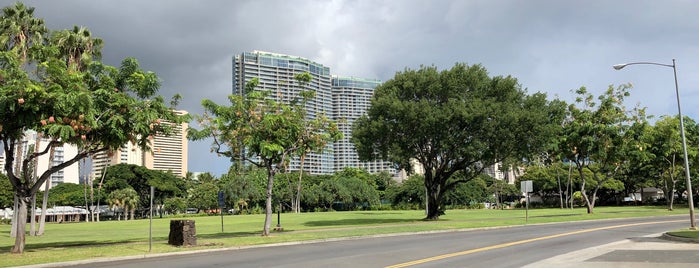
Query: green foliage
[[410, 191], [244, 191], [467, 194], [67, 194], [203, 196], [599, 137], [140, 179], [6, 193], [55, 84], [456, 120], [257, 130], [175, 205], [125, 199], [660, 156]]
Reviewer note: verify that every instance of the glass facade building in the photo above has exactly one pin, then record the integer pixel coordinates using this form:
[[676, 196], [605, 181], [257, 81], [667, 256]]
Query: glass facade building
[[342, 99], [275, 73], [351, 99]]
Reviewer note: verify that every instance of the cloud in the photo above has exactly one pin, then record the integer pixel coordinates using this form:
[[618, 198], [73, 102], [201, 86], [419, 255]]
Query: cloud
[[550, 46]]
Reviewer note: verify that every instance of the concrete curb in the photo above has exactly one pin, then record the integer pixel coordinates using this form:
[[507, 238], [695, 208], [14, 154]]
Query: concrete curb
[[670, 237]]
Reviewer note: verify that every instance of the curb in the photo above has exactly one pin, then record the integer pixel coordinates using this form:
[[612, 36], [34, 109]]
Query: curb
[[670, 237]]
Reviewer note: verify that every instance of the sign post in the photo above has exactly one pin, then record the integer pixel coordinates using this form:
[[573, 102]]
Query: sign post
[[526, 187], [150, 231]]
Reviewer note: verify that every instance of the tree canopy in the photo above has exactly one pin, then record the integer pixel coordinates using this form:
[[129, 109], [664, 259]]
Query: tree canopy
[[456, 120], [257, 130], [54, 83], [599, 136]]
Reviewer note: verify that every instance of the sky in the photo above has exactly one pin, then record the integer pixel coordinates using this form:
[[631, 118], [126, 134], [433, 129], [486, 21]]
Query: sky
[[549, 46]]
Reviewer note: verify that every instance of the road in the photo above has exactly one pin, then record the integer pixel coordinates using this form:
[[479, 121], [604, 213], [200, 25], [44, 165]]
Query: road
[[501, 247]]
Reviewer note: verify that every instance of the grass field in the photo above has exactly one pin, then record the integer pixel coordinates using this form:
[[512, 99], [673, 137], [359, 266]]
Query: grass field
[[78, 241]]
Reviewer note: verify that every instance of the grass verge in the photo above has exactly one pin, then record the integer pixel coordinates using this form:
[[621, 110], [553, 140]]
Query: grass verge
[[88, 240]]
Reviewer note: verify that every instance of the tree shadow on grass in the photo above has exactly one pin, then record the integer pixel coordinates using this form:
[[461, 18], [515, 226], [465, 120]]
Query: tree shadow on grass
[[229, 234], [29, 247], [356, 222]]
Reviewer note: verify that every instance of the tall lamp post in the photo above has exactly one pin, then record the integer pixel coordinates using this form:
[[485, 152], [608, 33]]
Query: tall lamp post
[[684, 140]]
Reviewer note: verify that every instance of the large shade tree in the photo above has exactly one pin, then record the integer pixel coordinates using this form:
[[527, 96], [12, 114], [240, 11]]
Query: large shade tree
[[257, 130], [456, 120], [69, 97]]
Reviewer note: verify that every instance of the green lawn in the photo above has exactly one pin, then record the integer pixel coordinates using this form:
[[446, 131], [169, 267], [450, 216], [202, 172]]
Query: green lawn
[[77, 241]]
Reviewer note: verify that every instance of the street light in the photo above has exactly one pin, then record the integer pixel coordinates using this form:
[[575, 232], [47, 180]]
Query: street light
[[684, 140]]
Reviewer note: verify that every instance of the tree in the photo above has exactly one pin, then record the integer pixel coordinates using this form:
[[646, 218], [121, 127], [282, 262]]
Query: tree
[[66, 194], [81, 102], [242, 190], [203, 196], [140, 179], [126, 199], [598, 137], [457, 120], [665, 164], [411, 192], [256, 130], [175, 205]]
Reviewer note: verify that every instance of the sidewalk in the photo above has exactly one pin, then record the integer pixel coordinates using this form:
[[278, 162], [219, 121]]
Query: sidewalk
[[638, 252]]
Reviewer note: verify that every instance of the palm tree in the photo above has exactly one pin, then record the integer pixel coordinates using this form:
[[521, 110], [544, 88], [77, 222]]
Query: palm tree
[[77, 46], [116, 201], [130, 201], [20, 29]]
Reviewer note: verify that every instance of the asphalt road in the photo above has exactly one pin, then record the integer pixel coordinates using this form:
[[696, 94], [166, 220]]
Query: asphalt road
[[502, 247]]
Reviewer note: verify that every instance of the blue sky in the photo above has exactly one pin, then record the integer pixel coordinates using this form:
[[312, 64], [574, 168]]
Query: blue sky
[[550, 46]]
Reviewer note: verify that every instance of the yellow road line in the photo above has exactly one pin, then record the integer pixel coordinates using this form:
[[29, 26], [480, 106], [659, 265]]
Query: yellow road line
[[504, 245]]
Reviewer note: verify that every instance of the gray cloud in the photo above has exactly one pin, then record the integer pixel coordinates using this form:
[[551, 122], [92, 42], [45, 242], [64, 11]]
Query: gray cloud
[[550, 46]]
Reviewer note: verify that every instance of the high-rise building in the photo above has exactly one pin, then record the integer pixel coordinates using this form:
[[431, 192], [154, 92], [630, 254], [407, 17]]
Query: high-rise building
[[351, 98], [276, 74], [32, 143], [343, 99], [168, 153]]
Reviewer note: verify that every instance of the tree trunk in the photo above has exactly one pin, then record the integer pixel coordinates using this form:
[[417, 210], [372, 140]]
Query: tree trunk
[[584, 193], [268, 202], [18, 248], [569, 187], [297, 200], [44, 205], [15, 212], [434, 209], [670, 195], [434, 197], [560, 190], [32, 221]]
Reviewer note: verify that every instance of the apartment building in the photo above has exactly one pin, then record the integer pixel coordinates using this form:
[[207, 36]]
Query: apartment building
[[343, 99], [275, 73], [168, 153], [351, 98], [33, 142]]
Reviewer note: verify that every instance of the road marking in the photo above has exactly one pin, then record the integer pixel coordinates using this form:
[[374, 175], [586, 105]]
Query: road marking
[[504, 245]]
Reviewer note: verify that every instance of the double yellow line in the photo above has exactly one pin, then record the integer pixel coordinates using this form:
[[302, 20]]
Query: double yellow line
[[504, 245]]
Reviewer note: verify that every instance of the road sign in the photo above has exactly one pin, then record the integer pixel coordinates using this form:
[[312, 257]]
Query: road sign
[[526, 186], [221, 201]]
